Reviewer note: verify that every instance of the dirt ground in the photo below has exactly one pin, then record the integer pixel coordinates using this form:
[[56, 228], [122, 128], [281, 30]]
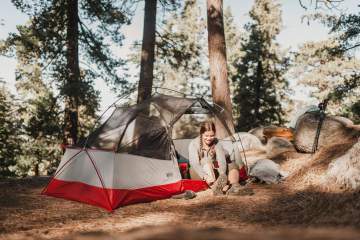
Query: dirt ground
[[280, 211]]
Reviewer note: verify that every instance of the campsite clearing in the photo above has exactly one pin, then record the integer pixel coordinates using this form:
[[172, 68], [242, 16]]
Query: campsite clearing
[[280, 211]]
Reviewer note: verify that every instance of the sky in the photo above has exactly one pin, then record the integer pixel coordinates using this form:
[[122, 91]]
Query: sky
[[294, 33]]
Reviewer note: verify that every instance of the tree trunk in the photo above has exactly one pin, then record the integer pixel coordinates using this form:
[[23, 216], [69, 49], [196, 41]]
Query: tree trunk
[[218, 72], [36, 169], [73, 71], [147, 52], [258, 95]]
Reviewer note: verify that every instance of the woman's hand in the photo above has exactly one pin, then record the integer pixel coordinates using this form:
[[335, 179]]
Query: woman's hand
[[209, 180]]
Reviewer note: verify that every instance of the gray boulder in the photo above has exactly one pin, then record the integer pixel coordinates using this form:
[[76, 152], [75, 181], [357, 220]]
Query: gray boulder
[[267, 171], [277, 146], [333, 130], [259, 133]]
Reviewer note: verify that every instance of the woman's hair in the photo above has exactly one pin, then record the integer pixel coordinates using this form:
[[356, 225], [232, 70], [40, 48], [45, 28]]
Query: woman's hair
[[207, 126], [204, 127]]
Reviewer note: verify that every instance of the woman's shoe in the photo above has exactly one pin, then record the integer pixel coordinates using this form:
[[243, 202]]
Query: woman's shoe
[[219, 184], [238, 190]]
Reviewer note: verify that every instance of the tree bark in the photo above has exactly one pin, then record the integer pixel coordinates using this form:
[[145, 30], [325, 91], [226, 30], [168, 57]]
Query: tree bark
[[218, 71], [147, 52], [36, 169], [73, 70], [258, 94]]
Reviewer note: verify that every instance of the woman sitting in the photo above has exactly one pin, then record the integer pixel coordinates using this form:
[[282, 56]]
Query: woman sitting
[[208, 162]]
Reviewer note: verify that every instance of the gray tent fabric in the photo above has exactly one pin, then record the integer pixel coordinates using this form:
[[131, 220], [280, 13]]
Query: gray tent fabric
[[171, 108], [145, 129], [110, 132]]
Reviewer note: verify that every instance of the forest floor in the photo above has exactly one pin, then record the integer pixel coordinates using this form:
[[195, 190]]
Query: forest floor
[[296, 209]]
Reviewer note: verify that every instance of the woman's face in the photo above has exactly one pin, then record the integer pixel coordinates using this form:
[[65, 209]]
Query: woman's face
[[208, 137]]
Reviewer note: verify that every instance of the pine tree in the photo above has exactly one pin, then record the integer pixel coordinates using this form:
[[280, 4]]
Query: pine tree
[[147, 51], [181, 56], [40, 133], [328, 75], [260, 86], [347, 93], [9, 144], [180, 51], [337, 65], [70, 32], [234, 37]]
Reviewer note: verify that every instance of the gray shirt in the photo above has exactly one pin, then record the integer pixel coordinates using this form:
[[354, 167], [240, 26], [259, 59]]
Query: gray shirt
[[195, 161]]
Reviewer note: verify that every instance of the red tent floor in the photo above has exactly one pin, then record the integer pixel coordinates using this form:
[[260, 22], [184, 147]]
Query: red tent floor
[[111, 199]]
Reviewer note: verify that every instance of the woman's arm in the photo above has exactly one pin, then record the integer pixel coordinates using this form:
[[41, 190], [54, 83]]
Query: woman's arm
[[220, 157]]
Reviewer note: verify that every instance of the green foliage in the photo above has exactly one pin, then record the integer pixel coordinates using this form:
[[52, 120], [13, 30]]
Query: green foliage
[[355, 112], [234, 37], [40, 130], [9, 145], [181, 56], [41, 134], [99, 25], [259, 85], [46, 38], [179, 50], [330, 67], [328, 76], [348, 28]]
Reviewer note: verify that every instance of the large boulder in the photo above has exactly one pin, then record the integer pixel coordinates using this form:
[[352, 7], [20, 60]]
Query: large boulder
[[277, 146], [250, 147], [275, 131], [266, 133], [246, 141], [345, 170], [267, 171], [333, 130], [259, 133]]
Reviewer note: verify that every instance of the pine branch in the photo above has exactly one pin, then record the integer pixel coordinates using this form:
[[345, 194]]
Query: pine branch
[[88, 32], [352, 47], [329, 4]]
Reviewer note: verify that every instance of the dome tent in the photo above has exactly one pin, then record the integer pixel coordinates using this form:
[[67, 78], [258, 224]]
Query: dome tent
[[131, 157]]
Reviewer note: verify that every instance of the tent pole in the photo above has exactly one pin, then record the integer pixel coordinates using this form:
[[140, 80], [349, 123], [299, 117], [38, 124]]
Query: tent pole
[[101, 180], [113, 104], [58, 171]]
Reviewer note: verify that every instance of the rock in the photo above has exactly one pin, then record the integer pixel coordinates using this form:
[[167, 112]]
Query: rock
[[345, 170], [259, 133], [265, 133], [267, 171], [277, 146], [333, 130], [273, 131], [248, 141]]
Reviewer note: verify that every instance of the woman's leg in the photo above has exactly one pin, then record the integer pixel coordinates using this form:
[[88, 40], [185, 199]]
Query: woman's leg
[[208, 169], [233, 174], [234, 178], [218, 180]]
